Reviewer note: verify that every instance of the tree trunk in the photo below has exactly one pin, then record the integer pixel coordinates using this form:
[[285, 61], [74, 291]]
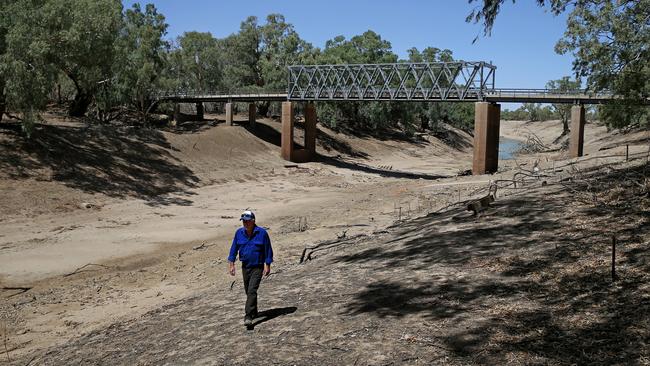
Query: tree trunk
[[199, 111], [3, 99], [3, 106], [424, 123], [263, 109], [565, 126], [80, 104], [81, 101]]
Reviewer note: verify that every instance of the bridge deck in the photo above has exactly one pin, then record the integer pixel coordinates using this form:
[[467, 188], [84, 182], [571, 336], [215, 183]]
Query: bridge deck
[[454, 81], [546, 96], [494, 95], [241, 97]]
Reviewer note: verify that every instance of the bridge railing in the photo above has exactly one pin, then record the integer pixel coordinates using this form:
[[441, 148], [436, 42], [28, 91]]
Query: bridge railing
[[190, 93], [540, 93]]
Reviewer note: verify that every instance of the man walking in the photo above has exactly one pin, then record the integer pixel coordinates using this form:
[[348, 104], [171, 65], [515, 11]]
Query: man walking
[[253, 245]]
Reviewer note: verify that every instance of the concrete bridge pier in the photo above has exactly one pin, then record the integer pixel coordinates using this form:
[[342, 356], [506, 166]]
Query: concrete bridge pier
[[310, 130], [576, 140], [487, 117], [287, 149], [229, 116], [252, 112]]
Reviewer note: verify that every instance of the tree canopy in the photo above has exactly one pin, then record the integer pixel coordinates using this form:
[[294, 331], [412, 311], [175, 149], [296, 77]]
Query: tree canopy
[[563, 110], [609, 41], [107, 59]]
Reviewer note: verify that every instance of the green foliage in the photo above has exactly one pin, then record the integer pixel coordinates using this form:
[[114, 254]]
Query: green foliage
[[79, 36], [537, 113], [529, 112], [377, 116], [460, 115], [624, 114], [365, 48], [258, 55], [29, 119], [142, 58], [45, 39], [518, 114], [362, 49], [114, 59], [25, 68], [196, 63], [280, 47], [241, 54], [609, 41], [563, 111]]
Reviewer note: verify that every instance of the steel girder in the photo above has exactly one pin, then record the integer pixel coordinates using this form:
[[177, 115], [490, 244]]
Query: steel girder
[[435, 81]]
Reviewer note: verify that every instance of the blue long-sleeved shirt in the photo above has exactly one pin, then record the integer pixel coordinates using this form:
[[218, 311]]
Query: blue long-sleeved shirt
[[254, 250]]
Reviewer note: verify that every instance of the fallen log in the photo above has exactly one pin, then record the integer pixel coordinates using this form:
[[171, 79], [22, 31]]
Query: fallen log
[[480, 204]]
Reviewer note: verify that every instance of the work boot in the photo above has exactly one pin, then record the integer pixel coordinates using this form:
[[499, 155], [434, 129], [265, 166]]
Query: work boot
[[248, 321]]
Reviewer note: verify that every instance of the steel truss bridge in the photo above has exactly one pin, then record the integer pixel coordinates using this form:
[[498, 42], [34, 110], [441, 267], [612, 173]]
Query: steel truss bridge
[[459, 81], [438, 81]]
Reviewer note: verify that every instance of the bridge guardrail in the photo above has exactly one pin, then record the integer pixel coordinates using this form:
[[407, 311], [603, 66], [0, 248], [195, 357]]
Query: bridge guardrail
[[536, 93], [184, 93]]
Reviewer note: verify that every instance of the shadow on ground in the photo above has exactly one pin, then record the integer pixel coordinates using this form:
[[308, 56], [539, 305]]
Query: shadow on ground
[[330, 143], [116, 161], [340, 163], [324, 140], [526, 283], [266, 315], [547, 296]]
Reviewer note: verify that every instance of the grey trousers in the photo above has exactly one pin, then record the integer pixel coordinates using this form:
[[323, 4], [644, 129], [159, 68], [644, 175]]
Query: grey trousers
[[252, 279]]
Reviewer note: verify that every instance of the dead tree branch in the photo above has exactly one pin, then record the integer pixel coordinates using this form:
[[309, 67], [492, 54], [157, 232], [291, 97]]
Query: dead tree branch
[[84, 266]]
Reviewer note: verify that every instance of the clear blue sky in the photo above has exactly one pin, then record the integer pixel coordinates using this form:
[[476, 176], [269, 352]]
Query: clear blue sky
[[521, 44]]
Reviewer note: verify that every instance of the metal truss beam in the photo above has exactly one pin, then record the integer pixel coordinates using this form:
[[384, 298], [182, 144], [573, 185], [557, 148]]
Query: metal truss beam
[[408, 81]]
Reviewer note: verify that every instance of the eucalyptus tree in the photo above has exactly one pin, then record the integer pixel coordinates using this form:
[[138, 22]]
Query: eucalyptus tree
[[26, 69], [5, 19], [138, 71], [241, 54], [460, 115], [256, 58], [367, 48], [80, 39], [563, 110], [42, 40], [196, 62], [280, 46], [609, 41]]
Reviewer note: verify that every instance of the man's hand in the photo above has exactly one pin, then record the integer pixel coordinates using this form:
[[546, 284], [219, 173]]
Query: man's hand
[[267, 270], [231, 268]]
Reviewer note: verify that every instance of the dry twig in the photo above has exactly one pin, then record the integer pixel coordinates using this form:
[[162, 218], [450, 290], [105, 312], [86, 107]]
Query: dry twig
[[84, 266]]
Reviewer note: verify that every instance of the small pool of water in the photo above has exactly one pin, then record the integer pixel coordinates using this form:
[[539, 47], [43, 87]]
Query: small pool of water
[[507, 148]]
